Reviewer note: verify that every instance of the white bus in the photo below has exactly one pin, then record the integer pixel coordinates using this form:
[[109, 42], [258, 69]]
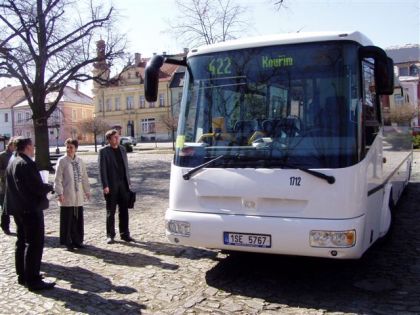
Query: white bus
[[281, 146]]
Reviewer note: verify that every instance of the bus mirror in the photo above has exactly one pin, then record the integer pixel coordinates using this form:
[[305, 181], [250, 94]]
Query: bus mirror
[[151, 78], [384, 69], [385, 77]]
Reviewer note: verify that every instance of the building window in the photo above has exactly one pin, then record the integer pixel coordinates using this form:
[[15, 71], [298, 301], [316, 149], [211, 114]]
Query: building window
[[73, 115], [142, 101], [151, 104], [28, 134], [19, 118], [130, 101], [161, 100], [27, 116], [6, 117], [403, 71], [101, 105], [108, 105], [117, 103], [148, 125]]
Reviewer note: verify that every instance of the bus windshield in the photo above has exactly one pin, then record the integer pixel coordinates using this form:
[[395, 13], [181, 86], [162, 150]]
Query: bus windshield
[[267, 107]]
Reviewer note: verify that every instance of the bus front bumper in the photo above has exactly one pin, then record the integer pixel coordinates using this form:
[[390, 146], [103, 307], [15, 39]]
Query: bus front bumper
[[285, 236]]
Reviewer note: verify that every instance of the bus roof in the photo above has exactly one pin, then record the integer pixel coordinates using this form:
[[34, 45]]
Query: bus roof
[[281, 39]]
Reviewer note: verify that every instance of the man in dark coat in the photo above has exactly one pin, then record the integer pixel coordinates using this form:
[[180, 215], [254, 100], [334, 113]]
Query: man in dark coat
[[115, 178], [4, 161], [25, 199]]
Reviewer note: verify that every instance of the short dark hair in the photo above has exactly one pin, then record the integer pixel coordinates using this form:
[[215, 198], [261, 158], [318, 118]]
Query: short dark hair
[[71, 141], [110, 133], [21, 143]]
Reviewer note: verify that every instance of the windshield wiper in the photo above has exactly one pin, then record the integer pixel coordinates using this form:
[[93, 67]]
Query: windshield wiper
[[191, 172], [328, 178]]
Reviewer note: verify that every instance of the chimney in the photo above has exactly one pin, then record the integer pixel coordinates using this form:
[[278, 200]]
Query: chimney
[[77, 87], [137, 59], [186, 50]]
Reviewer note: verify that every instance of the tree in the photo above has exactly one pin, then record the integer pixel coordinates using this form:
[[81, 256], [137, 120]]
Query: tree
[[171, 124], [208, 21], [95, 126], [279, 4], [402, 114], [46, 44]]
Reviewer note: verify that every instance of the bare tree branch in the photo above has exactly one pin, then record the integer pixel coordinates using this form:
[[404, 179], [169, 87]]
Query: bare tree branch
[[208, 21], [44, 47]]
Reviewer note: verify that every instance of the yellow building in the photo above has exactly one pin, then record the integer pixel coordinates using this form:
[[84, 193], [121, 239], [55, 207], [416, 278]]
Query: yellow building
[[121, 101]]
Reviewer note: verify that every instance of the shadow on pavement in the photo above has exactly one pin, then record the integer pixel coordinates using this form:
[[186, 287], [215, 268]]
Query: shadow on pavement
[[125, 259], [174, 250], [83, 279], [89, 303], [51, 241], [388, 273]]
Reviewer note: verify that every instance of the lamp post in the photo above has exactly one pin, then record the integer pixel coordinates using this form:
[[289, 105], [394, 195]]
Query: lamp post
[[57, 150]]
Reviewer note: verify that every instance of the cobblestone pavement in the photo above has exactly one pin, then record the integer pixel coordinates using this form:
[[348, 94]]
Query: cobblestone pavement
[[152, 276]]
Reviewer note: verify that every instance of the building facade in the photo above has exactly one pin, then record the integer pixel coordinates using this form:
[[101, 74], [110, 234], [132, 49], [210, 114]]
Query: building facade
[[9, 96], [73, 108], [407, 82], [122, 104]]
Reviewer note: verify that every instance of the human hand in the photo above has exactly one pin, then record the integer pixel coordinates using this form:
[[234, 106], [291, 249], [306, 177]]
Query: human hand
[[87, 195], [61, 198], [106, 190]]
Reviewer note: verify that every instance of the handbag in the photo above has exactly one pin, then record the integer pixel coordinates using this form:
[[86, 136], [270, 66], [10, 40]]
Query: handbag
[[131, 199]]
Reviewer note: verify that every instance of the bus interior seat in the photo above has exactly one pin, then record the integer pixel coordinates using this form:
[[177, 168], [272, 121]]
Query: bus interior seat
[[332, 112]]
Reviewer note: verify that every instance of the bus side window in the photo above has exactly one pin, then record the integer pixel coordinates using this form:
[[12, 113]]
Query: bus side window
[[370, 110]]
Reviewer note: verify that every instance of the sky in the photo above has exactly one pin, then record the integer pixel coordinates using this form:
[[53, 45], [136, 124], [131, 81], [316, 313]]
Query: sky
[[386, 22]]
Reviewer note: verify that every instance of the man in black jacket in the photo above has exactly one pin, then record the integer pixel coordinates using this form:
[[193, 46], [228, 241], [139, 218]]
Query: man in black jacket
[[115, 178], [25, 199], [4, 161]]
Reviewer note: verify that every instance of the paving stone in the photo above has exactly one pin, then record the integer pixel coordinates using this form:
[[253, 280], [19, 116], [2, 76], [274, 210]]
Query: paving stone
[[152, 276]]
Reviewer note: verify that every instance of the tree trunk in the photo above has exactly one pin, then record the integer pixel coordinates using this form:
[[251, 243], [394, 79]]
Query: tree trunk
[[42, 152]]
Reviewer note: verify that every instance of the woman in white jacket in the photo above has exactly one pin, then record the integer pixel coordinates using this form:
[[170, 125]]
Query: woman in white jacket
[[71, 185]]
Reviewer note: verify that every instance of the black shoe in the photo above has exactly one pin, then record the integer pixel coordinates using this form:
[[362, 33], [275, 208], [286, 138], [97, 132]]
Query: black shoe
[[128, 239], [40, 285], [79, 246], [110, 240], [70, 248], [21, 280]]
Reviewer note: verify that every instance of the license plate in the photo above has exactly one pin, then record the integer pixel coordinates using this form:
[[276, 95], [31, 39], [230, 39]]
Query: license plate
[[246, 239]]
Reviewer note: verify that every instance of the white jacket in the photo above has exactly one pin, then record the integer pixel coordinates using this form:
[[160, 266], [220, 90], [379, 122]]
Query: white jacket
[[71, 181]]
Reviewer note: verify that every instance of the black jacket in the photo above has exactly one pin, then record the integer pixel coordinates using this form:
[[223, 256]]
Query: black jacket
[[108, 168], [25, 192]]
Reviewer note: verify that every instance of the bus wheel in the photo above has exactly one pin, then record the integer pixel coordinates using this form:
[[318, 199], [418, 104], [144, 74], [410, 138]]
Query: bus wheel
[[388, 234]]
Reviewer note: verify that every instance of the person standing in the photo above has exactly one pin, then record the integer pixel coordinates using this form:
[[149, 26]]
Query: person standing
[[5, 156], [71, 184], [115, 178], [26, 198]]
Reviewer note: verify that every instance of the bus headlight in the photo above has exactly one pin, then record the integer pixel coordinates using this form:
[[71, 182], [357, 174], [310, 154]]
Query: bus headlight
[[181, 228], [332, 238]]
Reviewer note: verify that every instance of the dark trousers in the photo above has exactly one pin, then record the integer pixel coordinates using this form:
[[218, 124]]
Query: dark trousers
[[119, 196], [5, 221], [29, 245], [71, 226], [5, 218]]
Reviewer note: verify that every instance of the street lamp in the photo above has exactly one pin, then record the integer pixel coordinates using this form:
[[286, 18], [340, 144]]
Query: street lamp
[[57, 150]]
